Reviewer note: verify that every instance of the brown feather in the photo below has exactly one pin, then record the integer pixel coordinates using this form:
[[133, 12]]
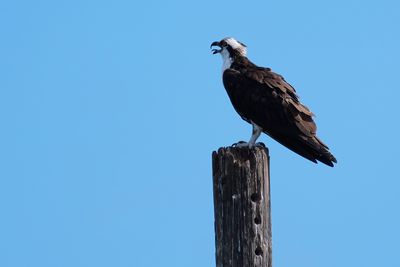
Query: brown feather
[[264, 97]]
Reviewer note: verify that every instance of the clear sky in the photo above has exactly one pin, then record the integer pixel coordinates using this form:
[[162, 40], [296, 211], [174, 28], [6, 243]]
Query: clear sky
[[110, 110]]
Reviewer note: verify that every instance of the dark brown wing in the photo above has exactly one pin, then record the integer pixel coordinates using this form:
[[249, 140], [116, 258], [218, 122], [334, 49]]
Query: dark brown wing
[[264, 97]]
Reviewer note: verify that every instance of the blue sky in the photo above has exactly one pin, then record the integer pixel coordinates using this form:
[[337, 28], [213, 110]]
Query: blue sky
[[110, 111]]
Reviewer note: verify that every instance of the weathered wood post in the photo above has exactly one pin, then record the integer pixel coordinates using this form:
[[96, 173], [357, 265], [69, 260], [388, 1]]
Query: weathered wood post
[[242, 207]]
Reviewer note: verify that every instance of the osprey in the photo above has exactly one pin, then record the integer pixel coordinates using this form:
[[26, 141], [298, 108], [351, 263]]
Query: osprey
[[270, 104]]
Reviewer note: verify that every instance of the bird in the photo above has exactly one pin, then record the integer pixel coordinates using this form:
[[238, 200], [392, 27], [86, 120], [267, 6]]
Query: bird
[[270, 104]]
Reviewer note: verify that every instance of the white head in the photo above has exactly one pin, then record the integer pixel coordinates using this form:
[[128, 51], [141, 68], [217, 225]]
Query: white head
[[230, 45], [229, 50]]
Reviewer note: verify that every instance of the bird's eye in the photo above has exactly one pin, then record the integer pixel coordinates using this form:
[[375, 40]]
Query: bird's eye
[[223, 44]]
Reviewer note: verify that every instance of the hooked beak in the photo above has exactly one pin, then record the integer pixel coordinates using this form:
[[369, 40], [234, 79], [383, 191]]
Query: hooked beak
[[215, 51]]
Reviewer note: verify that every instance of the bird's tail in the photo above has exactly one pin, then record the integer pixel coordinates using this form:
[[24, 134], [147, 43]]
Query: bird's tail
[[323, 154], [315, 150], [309, 147]]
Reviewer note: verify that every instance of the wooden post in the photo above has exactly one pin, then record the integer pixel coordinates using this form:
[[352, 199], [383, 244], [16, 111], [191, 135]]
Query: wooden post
[[242, 207]]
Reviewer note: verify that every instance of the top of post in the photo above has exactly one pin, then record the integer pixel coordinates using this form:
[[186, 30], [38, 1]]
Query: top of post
[[241, 151]]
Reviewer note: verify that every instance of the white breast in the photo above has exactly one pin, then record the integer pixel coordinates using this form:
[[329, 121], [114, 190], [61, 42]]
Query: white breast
[[226, 59]]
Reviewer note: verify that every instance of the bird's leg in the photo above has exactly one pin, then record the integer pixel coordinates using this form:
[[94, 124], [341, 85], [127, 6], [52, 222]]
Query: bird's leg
[[257, 130]]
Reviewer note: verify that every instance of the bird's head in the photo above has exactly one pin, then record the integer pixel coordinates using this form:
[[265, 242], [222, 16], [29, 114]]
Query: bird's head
[[229, 47]]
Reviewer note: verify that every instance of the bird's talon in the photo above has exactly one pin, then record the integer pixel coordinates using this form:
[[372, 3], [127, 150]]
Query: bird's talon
[[240, 144], [260, 144]]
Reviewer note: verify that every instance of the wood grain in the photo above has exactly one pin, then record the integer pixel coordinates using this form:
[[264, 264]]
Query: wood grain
[[242, 207]]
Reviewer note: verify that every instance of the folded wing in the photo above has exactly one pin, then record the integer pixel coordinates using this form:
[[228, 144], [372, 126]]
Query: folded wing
[[265, 98]]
